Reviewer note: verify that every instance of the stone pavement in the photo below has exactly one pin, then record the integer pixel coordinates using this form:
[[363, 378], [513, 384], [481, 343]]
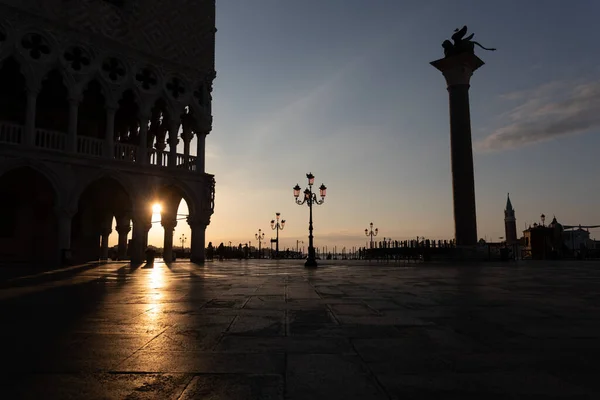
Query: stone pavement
[[275, 330]]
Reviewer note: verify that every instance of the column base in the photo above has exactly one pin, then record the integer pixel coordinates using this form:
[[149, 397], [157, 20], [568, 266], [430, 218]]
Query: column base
[[197, 260], [310, 263]]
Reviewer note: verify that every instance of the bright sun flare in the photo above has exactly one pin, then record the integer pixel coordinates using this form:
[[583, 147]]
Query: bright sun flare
[[156, 208]]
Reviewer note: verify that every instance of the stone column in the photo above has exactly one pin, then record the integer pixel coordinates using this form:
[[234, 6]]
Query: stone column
[[201, 141], [29, 138], [109, 138], [186, 135], [123, 228], [141, 226], [458, 70], [143, 146], [72, 131], [105, 233], [169, 224], [173, 140], [197, 247], [64, 218]]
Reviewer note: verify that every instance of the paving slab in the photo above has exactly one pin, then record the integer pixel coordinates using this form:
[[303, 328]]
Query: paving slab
[[265, 329]]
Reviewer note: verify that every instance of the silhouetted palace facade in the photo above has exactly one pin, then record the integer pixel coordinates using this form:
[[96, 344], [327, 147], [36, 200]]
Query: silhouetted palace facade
[[95, 96]]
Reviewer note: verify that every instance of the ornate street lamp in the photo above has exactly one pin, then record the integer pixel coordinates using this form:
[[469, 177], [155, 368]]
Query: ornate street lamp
[[310, 198], [371, 233], [298, 247], [259, 236], [182, 239], [275, 225], [543, 218]]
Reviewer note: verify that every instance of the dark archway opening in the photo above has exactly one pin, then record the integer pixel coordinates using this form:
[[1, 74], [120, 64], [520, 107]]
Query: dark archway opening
[[13, 94], [28, 226], [92, 226], [52, 111], [127, 122], [92, 112], [159, 119]]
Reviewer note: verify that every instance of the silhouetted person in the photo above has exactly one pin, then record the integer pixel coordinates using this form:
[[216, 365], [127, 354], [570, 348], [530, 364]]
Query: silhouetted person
[[150, 255], [221, 251], [210, 250]]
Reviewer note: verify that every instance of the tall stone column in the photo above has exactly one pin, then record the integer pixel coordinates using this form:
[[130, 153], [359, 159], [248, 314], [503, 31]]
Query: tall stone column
[[105, 232], [143, 146], [109, 138], [198, 239], [200, 150], [142, 222], [64, 218], [186, 135], [30, 114], [123, 228], [458, 70], [173, 140], [169, 224], [72, 130]]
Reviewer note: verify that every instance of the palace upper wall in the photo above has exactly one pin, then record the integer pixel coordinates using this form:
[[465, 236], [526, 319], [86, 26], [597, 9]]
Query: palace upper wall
[[176, 31]]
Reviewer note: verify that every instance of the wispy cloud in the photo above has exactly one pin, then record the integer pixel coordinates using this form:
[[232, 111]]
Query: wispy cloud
[[550, 111]]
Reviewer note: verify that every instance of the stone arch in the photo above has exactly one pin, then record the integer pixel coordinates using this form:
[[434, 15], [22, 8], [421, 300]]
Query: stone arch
[[127, 184], [13, 91], [28, 223], [98, 204], [40, 168], [175, 191], [52, 111]]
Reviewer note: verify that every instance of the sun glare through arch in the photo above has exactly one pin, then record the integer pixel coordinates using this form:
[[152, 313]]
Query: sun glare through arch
[[156, 208]]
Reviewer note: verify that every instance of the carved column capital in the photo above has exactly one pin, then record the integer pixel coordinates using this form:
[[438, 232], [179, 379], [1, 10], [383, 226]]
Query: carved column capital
[[458, 69], [201, 219], [169, 224], [123, 229]]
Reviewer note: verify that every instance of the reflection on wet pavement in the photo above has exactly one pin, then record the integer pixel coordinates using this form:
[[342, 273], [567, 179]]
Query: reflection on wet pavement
[[270, 330]]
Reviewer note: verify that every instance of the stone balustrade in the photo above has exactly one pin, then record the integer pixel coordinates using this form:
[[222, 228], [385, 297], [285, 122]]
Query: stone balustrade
[[12, 134]]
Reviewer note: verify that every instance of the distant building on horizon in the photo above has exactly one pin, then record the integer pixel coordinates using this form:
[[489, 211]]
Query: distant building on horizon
[[510, 223]]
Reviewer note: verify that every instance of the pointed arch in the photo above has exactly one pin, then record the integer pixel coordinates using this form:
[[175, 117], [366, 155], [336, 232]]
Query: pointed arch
[[28, 223], [99, 203], [13, 91], [52, 111], [91, 121]]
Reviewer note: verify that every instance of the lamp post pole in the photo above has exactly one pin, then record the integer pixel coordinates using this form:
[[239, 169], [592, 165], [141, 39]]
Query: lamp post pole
[[310, 198], [275, 225], [182, 239], [259, 236], [371, 233]]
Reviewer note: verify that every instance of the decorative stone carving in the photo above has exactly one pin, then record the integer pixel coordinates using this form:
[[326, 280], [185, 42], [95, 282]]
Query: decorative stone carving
[[77, 59], [146, 79], [113, 70], [36, 46], [175, 87]]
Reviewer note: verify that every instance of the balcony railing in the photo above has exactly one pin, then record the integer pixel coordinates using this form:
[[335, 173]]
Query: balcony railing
[[93, 147], [51, 140], [126, 152], [157, 157], [11, 133], [90, 146]]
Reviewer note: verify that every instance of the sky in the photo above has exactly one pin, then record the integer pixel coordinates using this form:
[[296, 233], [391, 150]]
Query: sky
[[344, 89]]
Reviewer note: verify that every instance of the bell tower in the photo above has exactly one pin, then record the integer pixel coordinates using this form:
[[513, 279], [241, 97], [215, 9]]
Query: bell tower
[[510, 223]]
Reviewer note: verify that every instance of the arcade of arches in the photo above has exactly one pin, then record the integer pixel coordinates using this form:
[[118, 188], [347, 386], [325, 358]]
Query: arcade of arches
[[82, 119], [37, 225]]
